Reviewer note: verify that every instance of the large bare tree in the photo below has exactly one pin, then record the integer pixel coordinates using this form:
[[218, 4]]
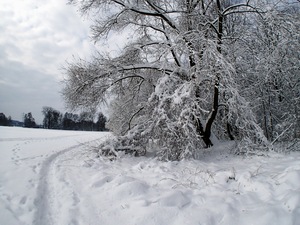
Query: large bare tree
[[174, 75]]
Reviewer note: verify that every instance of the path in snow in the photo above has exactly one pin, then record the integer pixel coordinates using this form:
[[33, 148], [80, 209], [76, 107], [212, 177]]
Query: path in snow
[[46, 187], [52, 178], [28, 165]]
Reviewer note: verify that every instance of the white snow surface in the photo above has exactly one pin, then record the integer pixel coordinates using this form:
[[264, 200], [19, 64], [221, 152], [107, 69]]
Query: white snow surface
[[52, 177]]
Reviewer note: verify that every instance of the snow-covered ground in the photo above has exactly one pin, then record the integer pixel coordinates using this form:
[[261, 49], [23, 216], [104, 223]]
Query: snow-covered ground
[[51, 177]]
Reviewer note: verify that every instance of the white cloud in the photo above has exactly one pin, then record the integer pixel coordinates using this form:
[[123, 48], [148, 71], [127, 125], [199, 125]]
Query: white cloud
[[37, 37], [44, 34]]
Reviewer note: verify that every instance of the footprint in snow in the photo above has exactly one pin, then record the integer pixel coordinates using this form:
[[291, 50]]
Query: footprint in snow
[[76, 200], [102, 182], [23, 200], [32, 183], [174, 199], [34, 168]]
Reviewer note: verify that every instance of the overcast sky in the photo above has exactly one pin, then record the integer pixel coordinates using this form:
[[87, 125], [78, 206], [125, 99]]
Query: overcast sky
[[37, 37]]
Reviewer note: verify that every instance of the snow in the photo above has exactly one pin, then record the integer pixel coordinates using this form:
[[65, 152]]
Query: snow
[[52, 177]]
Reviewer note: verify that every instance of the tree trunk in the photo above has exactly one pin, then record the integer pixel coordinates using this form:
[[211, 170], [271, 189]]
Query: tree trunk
[[205, 137], [212, 116], [207, 132], [229, 131]]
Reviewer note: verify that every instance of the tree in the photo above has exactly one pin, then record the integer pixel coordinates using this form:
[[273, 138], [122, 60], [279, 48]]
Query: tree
[[4, 121], [86, 121], [277, 39], [29, 121], [175, 78], [67, 122], [52, 118], [268, 62], [101, 121]]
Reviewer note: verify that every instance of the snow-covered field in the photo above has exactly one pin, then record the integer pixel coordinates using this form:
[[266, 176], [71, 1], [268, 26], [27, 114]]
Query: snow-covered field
[[51, 177]]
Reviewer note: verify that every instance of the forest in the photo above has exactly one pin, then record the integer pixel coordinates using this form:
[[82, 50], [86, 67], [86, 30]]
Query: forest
[[193, 73], [54, 119]]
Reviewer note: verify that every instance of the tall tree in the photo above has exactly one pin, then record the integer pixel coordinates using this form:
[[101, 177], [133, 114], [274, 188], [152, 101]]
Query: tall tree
[[52, 118], [70, 121], [86, 121], [29, 121], [101, 122], [174, 77], [4, 121], [269, 63]]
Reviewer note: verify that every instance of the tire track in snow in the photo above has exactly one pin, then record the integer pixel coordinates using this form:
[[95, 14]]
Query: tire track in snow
[[44, 198], [36, 138]]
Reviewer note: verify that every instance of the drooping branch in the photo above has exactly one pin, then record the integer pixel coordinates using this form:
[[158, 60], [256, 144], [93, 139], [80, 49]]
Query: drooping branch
[[161, 14], [156, 13], [131, 118], [127, 77], [169, 44], [236, 9]]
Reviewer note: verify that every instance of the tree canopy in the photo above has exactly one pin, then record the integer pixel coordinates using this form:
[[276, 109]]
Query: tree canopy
[[192, 73], [29, 121]]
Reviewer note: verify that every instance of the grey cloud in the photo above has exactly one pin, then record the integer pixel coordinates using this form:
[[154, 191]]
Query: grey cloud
[[37, 37], [24, 90]]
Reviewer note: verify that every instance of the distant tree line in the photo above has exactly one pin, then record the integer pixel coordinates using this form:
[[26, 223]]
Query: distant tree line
[[53, 119], [28, 121]]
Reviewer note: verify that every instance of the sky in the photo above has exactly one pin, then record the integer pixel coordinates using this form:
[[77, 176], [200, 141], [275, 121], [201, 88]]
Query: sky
[[37, 38]]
